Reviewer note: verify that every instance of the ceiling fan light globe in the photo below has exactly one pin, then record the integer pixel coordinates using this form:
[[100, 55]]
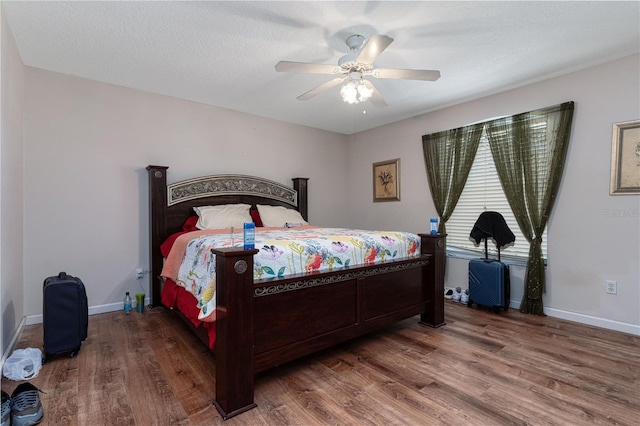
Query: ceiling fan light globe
[[349, 93], [364, 92]]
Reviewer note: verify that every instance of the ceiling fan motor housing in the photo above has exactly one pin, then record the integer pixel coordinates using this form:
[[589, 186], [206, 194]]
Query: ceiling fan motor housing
[[355, 41], [348, 61]]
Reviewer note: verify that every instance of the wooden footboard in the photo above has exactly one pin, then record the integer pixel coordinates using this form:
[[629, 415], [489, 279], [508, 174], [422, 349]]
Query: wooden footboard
[[266, 323]]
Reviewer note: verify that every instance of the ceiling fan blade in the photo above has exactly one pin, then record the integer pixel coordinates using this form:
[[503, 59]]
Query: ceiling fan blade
[[325, 86], [374, 47], [427, 75], [376, 98], [306, 68]]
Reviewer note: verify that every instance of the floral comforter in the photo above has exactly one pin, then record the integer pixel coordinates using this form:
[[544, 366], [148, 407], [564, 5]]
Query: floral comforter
[[286, 252]]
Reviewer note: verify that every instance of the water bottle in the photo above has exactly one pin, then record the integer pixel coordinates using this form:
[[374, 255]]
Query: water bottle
[[434, 226], [127, 303], [249, 236]]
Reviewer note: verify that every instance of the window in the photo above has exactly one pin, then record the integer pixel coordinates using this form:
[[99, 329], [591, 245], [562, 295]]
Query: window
[[483, 192]]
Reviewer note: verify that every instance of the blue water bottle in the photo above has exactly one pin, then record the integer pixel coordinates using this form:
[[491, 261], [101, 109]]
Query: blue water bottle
[[434, 226], [127, 303], [249, 235]]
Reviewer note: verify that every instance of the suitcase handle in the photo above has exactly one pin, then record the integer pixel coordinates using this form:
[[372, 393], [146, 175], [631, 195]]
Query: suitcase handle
[[62, 275]]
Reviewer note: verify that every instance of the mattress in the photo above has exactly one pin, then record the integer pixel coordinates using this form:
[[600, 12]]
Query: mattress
[[282, 252]]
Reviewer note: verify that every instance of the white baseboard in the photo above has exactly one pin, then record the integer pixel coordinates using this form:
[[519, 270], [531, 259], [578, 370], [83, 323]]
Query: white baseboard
[[584, 319], [12, 342], [515, 304], [93, 310], [587, 319], [595, 321]]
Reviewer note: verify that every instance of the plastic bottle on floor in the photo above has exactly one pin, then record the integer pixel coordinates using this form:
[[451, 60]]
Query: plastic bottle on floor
[[127, 303]]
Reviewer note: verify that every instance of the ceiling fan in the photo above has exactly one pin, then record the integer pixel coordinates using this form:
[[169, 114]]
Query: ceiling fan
[[353, 68]]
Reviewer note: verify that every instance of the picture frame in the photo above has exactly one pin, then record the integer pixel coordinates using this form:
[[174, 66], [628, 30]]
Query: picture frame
[[386, 180], [625, 158]]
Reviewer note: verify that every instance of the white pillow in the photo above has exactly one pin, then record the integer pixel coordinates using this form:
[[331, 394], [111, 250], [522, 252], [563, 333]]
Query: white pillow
[[223, 216], [279, 216]]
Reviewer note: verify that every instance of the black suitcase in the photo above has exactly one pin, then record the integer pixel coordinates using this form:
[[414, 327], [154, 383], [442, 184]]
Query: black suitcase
[[489, 284], [65, 315]]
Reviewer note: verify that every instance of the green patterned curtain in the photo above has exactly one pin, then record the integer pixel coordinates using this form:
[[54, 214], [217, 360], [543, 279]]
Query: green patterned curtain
[[448, 157], [529, 152]]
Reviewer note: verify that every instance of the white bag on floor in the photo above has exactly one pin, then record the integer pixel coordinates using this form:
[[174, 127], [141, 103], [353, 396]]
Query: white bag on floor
[[23, 364]]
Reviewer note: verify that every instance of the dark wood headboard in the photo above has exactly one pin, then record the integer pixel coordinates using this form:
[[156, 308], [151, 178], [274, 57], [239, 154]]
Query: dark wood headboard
[[170, 205]]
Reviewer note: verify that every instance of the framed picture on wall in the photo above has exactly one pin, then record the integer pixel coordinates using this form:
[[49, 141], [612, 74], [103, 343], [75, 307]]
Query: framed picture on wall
[[625, 158], [386, 180]]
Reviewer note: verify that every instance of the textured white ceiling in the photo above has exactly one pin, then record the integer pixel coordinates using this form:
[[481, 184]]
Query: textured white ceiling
[[224, 53]]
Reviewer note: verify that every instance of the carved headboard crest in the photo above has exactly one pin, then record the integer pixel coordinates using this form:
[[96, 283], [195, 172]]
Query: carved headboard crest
[[229, 185]]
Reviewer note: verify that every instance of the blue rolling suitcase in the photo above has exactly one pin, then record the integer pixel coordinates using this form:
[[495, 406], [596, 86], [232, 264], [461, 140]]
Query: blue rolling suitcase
[[489, 280], [65, 315], [489, 284]]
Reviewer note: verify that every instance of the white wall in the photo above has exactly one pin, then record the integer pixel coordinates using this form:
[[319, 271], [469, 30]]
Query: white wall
[[11, 210], [593, 236], [86, 148]]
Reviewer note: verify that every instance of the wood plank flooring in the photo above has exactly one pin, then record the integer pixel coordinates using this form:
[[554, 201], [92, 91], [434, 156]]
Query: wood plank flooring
[[479, 369]]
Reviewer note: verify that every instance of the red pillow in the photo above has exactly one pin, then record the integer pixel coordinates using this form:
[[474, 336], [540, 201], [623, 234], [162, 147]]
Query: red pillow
[[165, 247], [190, 224], [255, 215]]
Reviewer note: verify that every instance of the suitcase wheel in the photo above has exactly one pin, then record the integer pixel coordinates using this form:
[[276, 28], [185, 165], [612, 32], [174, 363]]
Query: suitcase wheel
[[46, 358], [74, 352], [496, 309], [470, 303]]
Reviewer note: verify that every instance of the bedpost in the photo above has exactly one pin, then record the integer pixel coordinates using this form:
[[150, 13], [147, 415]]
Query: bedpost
[[157, 206], [234, 331], [300, 185], [435, 245]]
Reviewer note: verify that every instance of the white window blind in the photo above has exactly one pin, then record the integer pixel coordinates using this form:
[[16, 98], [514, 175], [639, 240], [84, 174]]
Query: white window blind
[[483, 192]]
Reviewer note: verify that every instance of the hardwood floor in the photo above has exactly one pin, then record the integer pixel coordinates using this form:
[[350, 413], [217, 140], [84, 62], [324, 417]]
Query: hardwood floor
[[479, 369]]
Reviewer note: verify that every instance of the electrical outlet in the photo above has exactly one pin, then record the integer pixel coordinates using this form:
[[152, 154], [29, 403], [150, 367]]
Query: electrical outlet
[[612, 287], [139, 273]]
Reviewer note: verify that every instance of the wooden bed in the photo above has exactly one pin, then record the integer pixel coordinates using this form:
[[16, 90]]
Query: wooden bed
[[265, 323]]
